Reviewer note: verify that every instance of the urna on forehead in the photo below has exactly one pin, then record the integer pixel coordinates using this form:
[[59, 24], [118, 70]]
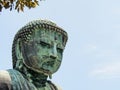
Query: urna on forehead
[[25, 32]]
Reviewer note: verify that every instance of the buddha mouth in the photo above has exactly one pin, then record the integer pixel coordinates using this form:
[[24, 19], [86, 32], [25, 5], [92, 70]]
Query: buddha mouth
[[48, 64], [46, 61], [51, 66]]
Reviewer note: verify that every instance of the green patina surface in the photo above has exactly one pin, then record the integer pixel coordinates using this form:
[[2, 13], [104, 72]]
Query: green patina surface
[[37, 53]]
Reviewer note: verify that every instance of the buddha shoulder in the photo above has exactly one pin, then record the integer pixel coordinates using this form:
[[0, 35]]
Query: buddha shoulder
[[5, 80]]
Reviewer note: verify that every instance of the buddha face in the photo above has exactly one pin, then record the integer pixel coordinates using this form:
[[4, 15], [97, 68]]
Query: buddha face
[[44, 51]]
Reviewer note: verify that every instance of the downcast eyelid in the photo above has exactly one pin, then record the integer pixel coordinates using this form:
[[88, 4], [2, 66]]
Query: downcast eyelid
[[44, 43], [60, 46]]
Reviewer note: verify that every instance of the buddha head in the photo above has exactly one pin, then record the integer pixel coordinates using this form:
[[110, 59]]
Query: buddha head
[[39, 46]]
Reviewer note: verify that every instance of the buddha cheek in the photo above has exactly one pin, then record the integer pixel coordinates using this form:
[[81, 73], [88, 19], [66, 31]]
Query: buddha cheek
[[33, 61]]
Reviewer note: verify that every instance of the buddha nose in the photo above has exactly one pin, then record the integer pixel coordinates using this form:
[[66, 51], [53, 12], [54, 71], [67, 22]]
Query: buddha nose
[[53, 53]]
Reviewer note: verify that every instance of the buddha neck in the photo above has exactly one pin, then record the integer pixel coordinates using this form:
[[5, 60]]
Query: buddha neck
[[38, 79]]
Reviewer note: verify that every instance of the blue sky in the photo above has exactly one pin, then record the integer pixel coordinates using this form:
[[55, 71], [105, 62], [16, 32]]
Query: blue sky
[[92, 55]]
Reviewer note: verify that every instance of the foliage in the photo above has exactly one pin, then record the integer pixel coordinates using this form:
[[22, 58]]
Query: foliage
[[18, 5]]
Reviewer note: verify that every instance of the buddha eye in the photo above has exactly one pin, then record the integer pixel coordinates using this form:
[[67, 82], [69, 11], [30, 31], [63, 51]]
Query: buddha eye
[[60, 50], [44, 44]]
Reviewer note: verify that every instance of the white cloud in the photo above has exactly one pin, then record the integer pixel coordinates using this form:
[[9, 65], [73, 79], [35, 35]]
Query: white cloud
[[90, 47], [108, 71], [116, 26], [98, 51], [93, 46], [116, 10]]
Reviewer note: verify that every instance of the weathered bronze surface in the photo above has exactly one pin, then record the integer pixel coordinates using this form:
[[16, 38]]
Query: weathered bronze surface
[[37, 53]]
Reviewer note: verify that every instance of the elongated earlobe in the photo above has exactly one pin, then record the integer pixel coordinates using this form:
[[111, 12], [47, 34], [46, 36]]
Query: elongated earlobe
[[19, 61]]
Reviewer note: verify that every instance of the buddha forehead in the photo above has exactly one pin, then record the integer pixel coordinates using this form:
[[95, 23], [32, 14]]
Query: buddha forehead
[[43, 29], [45, 34]]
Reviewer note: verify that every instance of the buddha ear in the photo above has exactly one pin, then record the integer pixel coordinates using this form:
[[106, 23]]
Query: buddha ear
[[19, 56], [18, 50]]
